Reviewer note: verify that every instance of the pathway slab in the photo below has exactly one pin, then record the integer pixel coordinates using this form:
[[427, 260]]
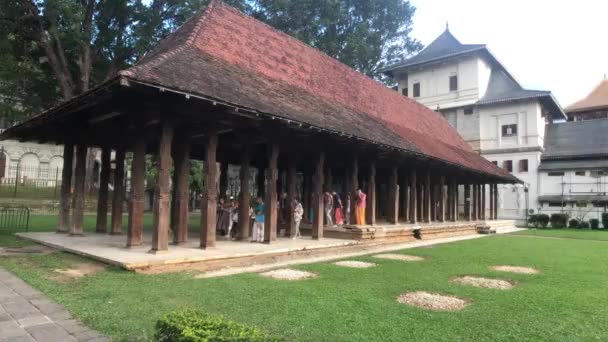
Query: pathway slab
[[27, 315]]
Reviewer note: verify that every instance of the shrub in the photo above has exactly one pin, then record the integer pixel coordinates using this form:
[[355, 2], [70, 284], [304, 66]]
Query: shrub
[[559, 220], [595, 223], [605, 220], [583, 225], [197, 326], [573, 223]]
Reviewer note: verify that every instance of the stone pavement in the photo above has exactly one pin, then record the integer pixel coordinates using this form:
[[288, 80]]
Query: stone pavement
[[27, 315]]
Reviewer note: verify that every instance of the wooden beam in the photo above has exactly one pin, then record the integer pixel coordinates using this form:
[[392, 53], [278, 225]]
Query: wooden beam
[[245, 195], [79, 184], [427, 198], [179, 226], [135, 227], [162, 196], [393, 189], [442, 199], [317, 198], [413, 197], [371, 195], [66, 187], [354, 183], [102, 199], [271, 205], [292, 164], [119, 192], [209, 202]]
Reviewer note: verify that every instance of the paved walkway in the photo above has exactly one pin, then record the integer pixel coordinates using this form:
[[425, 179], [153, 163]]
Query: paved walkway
[[27, 315]]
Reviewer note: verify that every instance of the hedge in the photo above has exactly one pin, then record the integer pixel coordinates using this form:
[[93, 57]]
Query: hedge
[[559, 220], [197, 326], [573, 223], [595, 223], [605, 220], [539, 220], [583, 224]]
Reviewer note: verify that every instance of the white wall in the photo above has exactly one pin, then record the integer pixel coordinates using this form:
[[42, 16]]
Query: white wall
[[435, 83], [526, 114]]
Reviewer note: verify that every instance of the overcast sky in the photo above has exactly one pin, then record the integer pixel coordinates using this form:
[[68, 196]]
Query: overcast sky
[[554, 45]]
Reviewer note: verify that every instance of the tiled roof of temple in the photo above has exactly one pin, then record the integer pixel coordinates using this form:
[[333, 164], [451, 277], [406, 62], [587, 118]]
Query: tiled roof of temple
[[223, 54], [598, 98]]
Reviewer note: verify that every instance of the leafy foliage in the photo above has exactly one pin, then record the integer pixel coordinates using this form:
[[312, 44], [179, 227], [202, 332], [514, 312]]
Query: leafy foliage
[[594, 223], [559, 220], [605, 220], [539, 220], [196, 326], [573, 223]]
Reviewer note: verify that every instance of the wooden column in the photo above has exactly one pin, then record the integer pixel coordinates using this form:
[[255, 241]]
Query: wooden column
[[306, 197], [454, 202], [483, 201], [79, 188], [102, 199], [317, 198], [245, 195], [354, 183], [138, 192], [270, 203], [223, 180], [209, 202], [292, 164], [491, 201], [467, 202], [181, 147], [413, 197], [162, 196], [393, 197], [65, 200], [119, 192], [448, 202], [495, 201], [427, 198], [370, 211], [474, 206], [442, 199], [404, 197]]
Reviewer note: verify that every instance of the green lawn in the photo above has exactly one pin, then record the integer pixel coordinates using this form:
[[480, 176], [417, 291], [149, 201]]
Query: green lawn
[[567, 301], [584, 234]]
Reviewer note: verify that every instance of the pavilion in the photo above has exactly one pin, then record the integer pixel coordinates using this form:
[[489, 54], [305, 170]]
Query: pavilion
[[226, 88]]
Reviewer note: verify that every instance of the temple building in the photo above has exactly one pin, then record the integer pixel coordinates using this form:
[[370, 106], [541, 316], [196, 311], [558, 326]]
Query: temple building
[[501, 120], [591, 107], [225, 88]]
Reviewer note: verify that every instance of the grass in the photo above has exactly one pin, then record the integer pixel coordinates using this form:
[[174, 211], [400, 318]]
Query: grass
[[566, 301], [567, 233]]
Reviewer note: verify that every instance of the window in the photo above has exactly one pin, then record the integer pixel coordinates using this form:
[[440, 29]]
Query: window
[[404, 92], [509, 130], [581, 173], [495, 162], [523, 165], [555, 174], [508, 165], [597, 174], [453, 83], [417, 89], [468, 111], [555, 204]]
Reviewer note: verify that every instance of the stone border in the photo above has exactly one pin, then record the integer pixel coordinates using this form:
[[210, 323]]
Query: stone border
[[27, 315]]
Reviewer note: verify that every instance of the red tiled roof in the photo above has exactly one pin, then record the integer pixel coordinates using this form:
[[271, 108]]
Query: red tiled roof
[[224, 54], [596, 99]]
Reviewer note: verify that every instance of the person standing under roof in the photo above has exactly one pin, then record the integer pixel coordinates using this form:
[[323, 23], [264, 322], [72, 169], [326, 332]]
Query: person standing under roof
[[337, 208], [258, 224], [360, 199], [298, 212], [328, 205]]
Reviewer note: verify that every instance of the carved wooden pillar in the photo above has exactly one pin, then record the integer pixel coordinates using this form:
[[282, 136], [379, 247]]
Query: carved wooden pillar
[[483, 201], [245, 195], [119, 192], [270, 206], [354, 183], [209, 202], [317, 198], [138, 192], [427, 198], [162, 196], [292, 164], [393, 196], [371, 196], [495, 201], [474, 206], [467, 202], [79, 188], [223, 180], [102, 199], [66, 187], [454, 202], [306, 196], [441, 199], [404, 197], [491, 201], [413, 197], [182, 186]]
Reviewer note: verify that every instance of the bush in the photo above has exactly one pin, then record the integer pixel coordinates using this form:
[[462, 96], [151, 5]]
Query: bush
[[573, 223], [559, 220], [197, 326], [539, 220], [583, 225], [605, 221], [595, 223]]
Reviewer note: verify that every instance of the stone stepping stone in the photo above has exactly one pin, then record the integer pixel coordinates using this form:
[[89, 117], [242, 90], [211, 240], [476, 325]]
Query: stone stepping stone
[[515, 269], [486, 283], [400, 257], [355, 264], [433, 301], [289, 274]]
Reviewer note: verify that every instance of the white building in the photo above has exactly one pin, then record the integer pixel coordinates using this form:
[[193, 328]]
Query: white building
[[34, 162], [501, 120]]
